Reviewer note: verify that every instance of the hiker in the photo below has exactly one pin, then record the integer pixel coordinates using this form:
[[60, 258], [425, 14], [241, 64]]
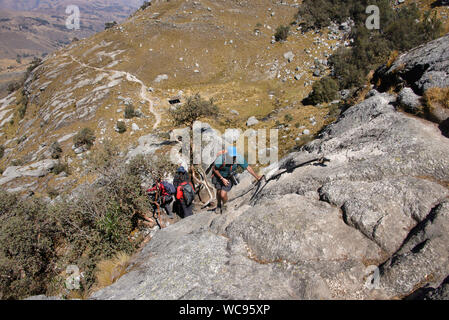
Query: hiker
[[224, 170], [181, 176], [185, 193], [164, 191]]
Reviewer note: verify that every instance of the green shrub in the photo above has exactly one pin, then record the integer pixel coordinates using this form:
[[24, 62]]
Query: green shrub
[[55, 150], [288, 118], [27, 251], [324, 90], [121, 126], [109, 25], [38, 240], [281, 33], [14, 87], [60, 167], [85, 137], [130, 112], [145, 5]]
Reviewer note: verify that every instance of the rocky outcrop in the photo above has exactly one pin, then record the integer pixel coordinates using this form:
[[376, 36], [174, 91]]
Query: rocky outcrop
[[378, 210], [37, 169], [415, 72], [424, 67]]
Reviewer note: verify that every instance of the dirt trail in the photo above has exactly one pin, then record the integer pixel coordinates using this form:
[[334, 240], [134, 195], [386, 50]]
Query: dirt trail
[[132, 78]]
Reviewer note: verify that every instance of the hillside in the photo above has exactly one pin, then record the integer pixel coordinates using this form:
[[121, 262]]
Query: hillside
[[311, 232], [34, 28], [372, 223], [206, 47]]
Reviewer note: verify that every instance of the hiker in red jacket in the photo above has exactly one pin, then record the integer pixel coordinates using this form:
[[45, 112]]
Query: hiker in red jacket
[[185, 193], [163, 191]]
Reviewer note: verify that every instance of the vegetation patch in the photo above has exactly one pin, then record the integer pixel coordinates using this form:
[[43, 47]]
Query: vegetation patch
[[91, 229], [85, 137], [281, 33], [400, 30]]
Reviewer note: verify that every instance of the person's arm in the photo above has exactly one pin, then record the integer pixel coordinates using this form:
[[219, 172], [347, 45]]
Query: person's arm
[[218, 175], [152, 189], [255, 175]]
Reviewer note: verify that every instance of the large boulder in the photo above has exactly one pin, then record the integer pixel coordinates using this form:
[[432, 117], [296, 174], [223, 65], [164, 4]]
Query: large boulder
[[424, 67]]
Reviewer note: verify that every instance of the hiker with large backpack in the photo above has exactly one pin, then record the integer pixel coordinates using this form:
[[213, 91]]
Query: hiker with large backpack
[[185, 193], [224, 171], [165, 192], [181, 175]]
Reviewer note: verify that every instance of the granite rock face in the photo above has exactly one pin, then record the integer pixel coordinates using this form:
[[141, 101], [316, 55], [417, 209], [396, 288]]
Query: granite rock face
[[424, 67], [317, 231]]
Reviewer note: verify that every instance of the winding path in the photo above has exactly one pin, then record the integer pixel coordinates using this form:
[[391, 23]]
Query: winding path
[[132, 78]]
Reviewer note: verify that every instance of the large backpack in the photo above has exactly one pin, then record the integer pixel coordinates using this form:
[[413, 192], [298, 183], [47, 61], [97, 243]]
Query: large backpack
[[187, 193], [169, 187]]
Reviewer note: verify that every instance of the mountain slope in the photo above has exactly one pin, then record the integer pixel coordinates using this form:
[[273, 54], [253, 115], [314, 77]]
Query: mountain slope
[[372, 223], [209, 47]]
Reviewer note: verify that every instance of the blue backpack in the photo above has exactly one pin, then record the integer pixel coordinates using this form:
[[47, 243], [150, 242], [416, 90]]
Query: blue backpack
[[169, 187]]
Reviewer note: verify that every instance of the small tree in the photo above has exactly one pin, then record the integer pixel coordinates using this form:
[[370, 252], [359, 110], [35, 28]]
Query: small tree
[[84, 137], [192, 110]]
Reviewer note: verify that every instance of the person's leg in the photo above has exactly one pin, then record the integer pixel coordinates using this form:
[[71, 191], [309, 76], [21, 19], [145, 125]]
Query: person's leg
[[218, 198], [177, 208], [223, 196], [188, 210], [167, 206]]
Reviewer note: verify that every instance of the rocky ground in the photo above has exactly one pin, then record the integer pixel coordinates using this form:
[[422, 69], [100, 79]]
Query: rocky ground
[[372, 223]]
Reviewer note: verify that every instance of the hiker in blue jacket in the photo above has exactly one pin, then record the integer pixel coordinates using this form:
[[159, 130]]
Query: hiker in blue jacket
[[224, 171]]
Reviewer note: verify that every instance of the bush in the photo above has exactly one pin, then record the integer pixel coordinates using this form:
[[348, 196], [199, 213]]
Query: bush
[[129, 112], [38, 240], [14, 87], [281, 33], [324, 90], [109, 25], [85, 137], [121, 126], [401, 30], [60, 167], [27, 246], [2, 151], [55, 150], [145, 5], [288, 118]]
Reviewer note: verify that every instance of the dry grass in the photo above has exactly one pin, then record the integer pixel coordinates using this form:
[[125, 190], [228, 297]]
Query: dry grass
[[437, 98], [393, 56], [111, 270]]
